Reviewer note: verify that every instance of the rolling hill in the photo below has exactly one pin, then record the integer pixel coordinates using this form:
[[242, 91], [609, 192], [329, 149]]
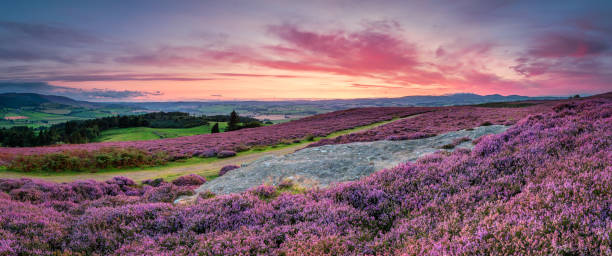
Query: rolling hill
[[35, 110]]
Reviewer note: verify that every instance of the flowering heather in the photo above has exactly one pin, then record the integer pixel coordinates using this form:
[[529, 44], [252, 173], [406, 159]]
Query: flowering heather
[[543, 187], [227, 168], [226, 153], [189, 180], [456, 142], [442, 120]]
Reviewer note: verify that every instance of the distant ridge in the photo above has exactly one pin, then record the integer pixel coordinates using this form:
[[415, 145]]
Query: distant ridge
[[18, 100]]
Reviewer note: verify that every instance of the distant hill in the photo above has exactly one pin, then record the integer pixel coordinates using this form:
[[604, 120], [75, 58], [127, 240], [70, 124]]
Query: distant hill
[[35, 110], [298, 108], [18, 100]]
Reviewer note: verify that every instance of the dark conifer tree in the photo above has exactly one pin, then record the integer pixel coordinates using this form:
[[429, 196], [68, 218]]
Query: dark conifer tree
[[234, 122], [215, 128]]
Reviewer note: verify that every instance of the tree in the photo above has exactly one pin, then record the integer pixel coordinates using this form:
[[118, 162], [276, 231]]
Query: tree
[[234, 122], [215, 128]]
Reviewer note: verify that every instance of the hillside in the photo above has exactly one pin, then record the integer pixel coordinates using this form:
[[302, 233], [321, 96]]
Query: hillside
[[286, 109], [18, 100], [541, 187], [36, 110]]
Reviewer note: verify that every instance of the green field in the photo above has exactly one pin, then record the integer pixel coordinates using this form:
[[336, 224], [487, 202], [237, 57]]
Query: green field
[[43, 116], [145, 133]]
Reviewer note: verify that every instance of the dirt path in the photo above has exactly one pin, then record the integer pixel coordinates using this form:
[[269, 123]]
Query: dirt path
[[204, 168]]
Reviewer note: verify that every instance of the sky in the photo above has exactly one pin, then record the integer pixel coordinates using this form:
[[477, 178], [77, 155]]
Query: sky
[[265, 50]]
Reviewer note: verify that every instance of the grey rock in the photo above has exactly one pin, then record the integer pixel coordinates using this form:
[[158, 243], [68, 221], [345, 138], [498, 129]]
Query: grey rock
[[325, 165]]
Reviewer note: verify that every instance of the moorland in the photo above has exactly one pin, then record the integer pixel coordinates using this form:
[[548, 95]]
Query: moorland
[[543, 184]]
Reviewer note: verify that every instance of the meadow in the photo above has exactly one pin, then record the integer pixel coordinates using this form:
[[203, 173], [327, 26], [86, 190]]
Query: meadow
[[146, 133], [542, 187]]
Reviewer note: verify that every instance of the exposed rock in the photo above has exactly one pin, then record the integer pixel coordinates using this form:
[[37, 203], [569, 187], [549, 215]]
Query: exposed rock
[[322, 166]]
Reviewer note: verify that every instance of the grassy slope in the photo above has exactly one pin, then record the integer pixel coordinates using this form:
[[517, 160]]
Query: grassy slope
[[145, 133], [47, 116]]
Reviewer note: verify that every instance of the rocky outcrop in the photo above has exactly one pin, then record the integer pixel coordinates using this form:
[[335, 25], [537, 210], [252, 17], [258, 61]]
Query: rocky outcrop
[[322, 166]]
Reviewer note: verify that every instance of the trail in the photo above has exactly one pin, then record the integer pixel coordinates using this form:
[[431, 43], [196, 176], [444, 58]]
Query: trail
[[205, 168]]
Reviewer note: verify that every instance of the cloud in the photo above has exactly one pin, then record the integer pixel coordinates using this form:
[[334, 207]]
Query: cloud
[[368, 86], [565, 55], [375, 49], [185, 56], [31, 55], [75, 93], [92, 76], [27, 42], [380, 51], [48, 33], [562, 45], [255, 75]]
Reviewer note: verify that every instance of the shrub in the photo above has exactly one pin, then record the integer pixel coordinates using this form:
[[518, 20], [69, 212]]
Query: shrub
[[227, 168], [166, 192], [285, 184], [310, 137], [82, 160], [264, 191], [154, 182], [226, 153], [189, 180]]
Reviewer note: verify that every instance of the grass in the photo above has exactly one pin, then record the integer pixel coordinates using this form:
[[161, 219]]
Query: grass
[[146, 133]]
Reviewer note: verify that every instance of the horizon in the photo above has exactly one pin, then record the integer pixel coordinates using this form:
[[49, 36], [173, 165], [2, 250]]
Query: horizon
[[156, 51], [306, 99]]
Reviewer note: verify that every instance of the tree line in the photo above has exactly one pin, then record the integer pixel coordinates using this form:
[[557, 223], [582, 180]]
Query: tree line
[[84, 131]]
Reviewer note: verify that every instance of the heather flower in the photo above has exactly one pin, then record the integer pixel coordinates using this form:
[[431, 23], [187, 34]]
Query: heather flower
[[154, 182], [227, 168], [166, 192], [264, 191], [226, 153], [189, 180]]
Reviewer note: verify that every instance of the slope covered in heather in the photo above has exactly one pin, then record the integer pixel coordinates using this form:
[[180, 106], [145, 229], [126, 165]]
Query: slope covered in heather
[[542, 187]]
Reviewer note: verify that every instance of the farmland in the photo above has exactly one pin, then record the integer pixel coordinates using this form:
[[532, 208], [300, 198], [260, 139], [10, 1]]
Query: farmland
[[146, 133], [50, 115]]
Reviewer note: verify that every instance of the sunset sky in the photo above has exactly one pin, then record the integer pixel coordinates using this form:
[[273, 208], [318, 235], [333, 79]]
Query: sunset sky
[[226, 50]]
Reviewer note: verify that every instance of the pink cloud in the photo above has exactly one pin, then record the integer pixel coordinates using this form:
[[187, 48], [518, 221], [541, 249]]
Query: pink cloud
[[255, 75], [186, 56], [380, 51], [348, 53], [367, 86]]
